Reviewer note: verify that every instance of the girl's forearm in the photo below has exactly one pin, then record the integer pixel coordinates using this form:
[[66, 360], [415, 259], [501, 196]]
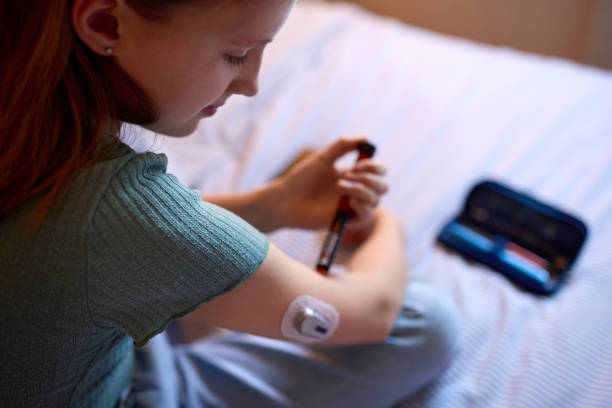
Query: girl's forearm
[[380, 262], [256, 206]]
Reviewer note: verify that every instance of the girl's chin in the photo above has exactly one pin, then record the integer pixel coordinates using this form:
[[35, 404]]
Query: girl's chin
[[175, 130]]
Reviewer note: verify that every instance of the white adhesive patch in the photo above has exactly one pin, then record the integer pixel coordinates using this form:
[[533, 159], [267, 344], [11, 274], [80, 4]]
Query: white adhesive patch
[[309, 320]]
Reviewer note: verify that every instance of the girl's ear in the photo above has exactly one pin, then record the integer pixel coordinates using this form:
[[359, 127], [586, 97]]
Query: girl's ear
[[95, 23]]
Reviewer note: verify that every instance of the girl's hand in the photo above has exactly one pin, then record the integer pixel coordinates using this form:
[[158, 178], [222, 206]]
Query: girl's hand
[[311, 188]]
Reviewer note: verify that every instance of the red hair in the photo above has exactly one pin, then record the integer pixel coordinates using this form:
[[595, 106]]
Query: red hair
[[59, 103]]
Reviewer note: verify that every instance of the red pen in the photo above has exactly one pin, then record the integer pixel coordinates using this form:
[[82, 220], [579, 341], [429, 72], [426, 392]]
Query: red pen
[[343, 214]]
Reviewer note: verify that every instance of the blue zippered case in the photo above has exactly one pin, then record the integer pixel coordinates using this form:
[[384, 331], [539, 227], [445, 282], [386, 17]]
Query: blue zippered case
[[530, 242]]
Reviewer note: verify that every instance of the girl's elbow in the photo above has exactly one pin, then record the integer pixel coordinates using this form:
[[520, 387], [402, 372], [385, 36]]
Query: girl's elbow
[[387, 310]]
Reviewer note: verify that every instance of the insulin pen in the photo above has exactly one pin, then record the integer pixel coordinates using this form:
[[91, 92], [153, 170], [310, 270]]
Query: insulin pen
[[343, 214]]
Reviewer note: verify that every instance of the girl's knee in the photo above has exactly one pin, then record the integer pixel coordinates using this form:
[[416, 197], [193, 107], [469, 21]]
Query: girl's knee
[[429, 321]]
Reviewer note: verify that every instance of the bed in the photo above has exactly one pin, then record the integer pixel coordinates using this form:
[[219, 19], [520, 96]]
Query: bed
[[444, 113]]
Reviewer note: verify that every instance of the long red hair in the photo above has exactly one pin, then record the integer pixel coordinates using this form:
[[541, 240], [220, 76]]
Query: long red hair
[[59, 103]]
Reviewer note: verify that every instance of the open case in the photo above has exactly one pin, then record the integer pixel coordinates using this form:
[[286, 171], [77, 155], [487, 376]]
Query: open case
[[532, 243]]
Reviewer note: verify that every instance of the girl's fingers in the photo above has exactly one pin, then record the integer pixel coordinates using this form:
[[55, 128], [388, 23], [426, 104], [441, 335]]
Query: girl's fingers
[[372, 181], [339, 148], [359, 192], [363, 211], [364, 183], [370, 166]]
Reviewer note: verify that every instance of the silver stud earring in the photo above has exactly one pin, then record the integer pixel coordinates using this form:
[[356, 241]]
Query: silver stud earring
[[109, 50]]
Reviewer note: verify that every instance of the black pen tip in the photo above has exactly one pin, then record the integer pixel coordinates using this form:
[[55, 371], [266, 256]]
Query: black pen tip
[[367, 149]]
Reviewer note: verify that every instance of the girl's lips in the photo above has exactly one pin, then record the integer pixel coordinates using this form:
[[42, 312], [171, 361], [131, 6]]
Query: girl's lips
[[209, 110]]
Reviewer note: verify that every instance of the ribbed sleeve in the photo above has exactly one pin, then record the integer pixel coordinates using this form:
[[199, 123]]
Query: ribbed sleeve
[[156, 251]]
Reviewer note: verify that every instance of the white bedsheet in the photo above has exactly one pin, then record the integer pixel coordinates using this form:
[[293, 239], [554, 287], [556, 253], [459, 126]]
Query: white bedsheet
[[444, 114]]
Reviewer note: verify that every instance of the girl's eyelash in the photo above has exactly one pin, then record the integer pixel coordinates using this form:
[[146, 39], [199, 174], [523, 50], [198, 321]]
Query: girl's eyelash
[[234, 60]]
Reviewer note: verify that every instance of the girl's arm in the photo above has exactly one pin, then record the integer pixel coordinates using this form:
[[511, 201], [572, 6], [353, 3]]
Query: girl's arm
[[254, 206], [306, 196], [367, 297]]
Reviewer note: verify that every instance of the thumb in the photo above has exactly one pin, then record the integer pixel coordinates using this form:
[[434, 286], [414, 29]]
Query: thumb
[[341, 147]]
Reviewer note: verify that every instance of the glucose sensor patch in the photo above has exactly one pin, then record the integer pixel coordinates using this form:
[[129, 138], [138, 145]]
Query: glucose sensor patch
[[309, 320]]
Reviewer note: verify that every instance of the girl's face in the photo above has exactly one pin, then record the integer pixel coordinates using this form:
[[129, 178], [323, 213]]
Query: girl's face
[[193, 61]]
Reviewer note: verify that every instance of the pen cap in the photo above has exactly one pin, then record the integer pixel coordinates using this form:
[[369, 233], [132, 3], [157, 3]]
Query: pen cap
[[366, 149]]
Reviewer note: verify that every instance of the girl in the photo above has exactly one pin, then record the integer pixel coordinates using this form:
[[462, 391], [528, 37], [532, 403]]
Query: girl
[[101, 248]]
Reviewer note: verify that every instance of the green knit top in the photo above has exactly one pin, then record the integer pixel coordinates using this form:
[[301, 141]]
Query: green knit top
[[126, 250]]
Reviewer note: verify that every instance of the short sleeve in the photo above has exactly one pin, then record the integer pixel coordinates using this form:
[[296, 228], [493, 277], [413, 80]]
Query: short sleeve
[[156, 250]]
